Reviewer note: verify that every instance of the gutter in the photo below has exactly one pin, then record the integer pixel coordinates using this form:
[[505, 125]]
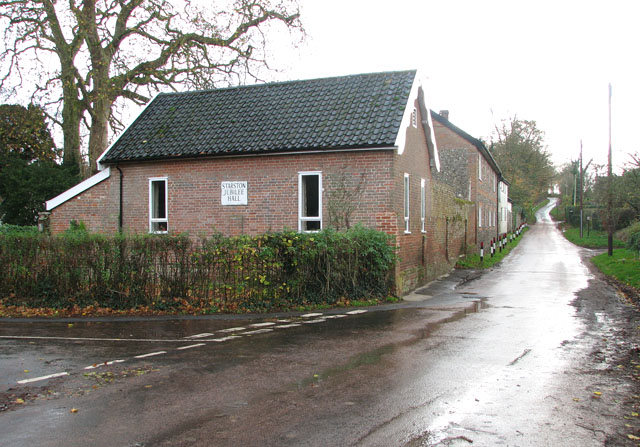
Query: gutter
[[121, 205]]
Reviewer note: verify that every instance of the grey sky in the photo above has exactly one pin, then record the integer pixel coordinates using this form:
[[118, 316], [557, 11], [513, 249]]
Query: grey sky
[[548, 61]]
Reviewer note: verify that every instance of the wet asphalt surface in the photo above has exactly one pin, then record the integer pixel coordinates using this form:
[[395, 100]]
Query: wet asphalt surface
[[538, 351]]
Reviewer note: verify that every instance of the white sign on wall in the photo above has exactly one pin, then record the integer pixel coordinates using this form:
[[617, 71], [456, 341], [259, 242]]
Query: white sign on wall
[[234, 193]]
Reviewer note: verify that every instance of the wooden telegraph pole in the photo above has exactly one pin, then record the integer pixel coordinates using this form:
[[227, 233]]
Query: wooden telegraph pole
[[609, 192]]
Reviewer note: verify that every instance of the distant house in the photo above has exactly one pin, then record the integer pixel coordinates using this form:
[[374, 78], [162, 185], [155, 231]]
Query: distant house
[[469, 168], [505, 221]]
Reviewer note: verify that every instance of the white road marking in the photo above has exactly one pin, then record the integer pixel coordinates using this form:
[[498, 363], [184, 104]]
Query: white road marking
[[50, 376], [319, 320], [262, 324], [151, 354], [32, 337], [259, 331], [190, 346], [197, 336], [233, 329], [98, 365], [204, 334], [230, 337]]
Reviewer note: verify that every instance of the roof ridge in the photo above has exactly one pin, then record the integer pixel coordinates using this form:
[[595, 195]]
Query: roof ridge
[[293, 81]]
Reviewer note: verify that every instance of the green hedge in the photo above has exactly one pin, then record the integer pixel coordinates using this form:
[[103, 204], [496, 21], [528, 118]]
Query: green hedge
[[634, 242], [262, 273]]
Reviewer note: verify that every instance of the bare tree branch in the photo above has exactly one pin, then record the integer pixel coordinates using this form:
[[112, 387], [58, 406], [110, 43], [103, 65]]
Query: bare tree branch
[[110, 51]]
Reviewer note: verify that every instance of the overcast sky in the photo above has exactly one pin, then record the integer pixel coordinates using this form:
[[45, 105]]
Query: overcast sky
[[548, 61]]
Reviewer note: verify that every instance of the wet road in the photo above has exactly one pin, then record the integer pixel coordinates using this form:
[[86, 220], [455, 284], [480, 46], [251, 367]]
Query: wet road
[[493, 361]]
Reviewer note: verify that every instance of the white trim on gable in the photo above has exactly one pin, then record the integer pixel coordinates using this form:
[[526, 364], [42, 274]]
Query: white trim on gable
[[417, 94], [78, 189], [401, 138]]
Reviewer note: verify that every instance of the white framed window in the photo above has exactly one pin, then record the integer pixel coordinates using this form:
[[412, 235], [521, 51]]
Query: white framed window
[[158, 205], [309, 201], [414, 117], [495, 180], [479, 167], [406, 203], [423, 205], [479, 217]]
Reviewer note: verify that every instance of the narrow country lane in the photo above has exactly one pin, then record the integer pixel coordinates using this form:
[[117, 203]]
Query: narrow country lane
[[537, 351]]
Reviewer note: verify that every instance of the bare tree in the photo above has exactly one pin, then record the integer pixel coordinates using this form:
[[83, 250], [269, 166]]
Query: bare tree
[[89, 57]]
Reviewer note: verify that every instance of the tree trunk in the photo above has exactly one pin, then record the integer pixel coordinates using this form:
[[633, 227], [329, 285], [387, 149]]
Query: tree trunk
[[71, 117], [99, 134]]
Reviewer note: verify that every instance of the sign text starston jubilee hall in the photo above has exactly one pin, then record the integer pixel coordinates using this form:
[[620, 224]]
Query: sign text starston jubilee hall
[[234, 193]]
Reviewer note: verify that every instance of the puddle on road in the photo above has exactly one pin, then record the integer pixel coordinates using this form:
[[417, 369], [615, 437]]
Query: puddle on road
[[366, 358], [376, 355]]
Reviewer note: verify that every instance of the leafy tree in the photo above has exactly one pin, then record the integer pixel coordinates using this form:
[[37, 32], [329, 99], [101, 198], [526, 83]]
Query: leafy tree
[[631, 182], [25, 186], [29, 174], [112, 51], [24, 133], [518, 147]]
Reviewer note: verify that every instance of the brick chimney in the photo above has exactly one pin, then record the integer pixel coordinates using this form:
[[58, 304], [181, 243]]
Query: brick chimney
[[444, 114]]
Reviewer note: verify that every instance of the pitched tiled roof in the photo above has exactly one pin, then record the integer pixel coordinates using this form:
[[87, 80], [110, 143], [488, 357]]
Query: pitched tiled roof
[[358, 111]]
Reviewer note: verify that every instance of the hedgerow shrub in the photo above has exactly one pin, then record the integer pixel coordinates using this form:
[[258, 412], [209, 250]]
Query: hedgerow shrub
[[260, 273], [634, 242], [17, 229]]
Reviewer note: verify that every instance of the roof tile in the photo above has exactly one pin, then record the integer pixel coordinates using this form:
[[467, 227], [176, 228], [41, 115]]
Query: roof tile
[[331, 113]]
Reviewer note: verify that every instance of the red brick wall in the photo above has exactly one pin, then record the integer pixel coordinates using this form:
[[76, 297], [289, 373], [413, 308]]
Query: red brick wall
[[483, 195], [97, 207], [452, 232], [194, 203], [413, 247]]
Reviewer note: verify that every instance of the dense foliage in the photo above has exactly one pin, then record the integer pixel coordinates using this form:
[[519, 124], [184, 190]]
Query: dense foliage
[[634, 242], [25, 186], [29, 174], [24, 134], [518, 147], [262, 273]]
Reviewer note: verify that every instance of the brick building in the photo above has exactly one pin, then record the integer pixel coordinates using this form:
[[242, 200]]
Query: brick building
[[474, 175], [248, 160]]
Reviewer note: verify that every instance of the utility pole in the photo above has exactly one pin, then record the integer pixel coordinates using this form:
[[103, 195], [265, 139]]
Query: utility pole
[[609, 192], [581, 190]]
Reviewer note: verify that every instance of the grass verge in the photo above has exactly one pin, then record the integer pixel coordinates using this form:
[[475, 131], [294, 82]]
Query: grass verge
[[594, 238], [624, 266], [474, 262]]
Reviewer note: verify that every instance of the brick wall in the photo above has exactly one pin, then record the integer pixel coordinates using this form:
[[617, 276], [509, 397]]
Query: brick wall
[[481, 185], [451, 235], [194, 200], [194, 193], [97, 207]]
